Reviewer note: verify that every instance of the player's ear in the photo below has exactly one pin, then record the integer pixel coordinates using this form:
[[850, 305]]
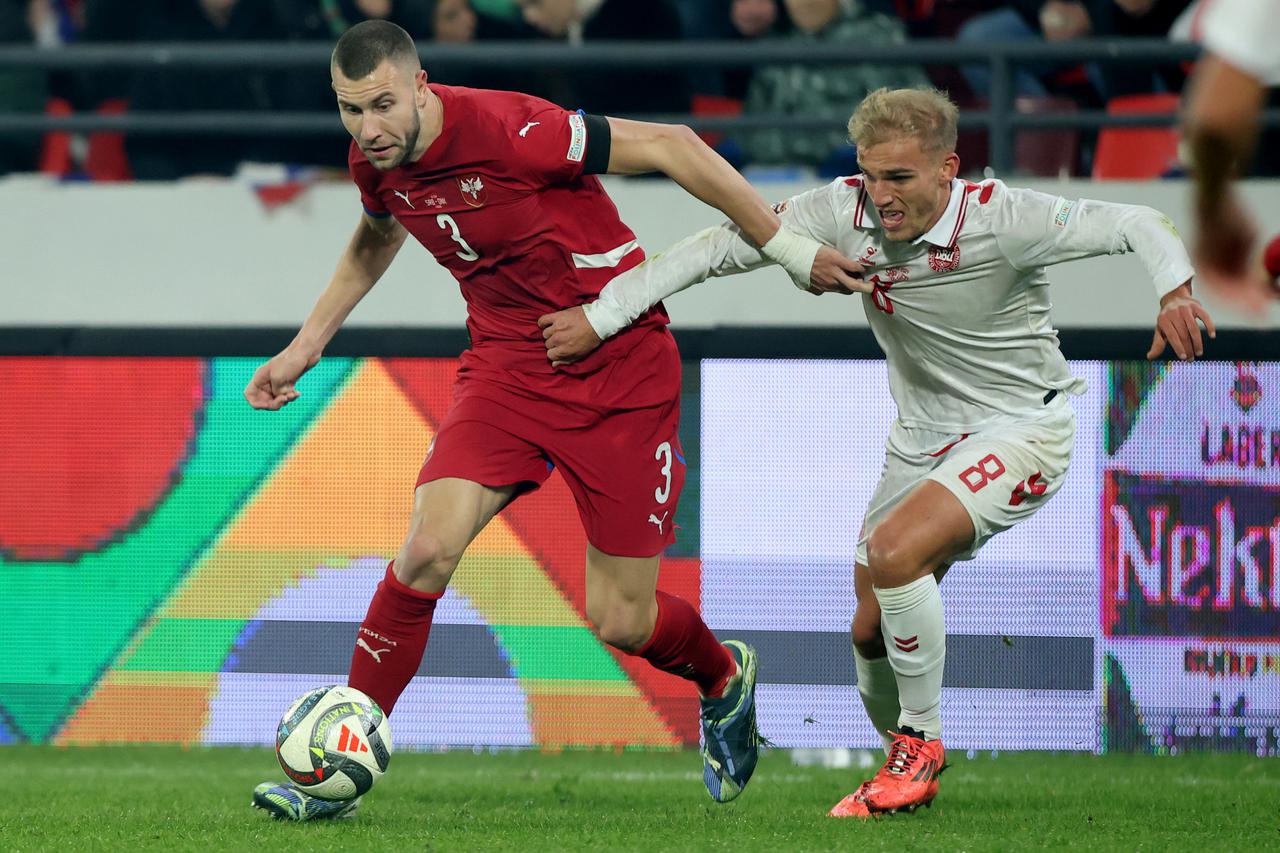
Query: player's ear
[[420, 85], [951, 166]]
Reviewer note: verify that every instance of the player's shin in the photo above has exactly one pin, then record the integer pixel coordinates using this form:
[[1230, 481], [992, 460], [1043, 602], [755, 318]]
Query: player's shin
[[391, 640], [878, 688], [683, 645], [915, 637]]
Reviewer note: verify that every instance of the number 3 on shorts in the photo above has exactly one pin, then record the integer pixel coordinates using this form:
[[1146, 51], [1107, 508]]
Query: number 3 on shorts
[[663, 454]]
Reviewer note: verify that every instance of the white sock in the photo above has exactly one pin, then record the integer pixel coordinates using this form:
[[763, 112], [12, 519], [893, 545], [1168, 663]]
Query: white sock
[[915, 635], [879, 690]]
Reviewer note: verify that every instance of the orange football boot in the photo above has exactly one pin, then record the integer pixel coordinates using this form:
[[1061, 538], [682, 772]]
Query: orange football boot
[[909, 778], [854, 805]]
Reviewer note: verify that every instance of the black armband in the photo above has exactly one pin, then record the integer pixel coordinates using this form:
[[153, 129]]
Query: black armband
[[599, 139]]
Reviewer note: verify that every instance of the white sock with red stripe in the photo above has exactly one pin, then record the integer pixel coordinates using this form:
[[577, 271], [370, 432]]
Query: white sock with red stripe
[[879, 691], [915, 635]]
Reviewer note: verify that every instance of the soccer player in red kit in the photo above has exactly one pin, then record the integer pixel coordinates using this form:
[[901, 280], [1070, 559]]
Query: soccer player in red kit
[[500, 187]]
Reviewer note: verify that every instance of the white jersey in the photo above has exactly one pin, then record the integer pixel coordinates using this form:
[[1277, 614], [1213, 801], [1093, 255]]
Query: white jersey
[[1245, 34], [962, 313]]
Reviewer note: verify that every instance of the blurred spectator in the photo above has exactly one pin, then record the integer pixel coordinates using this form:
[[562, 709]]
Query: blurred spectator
[[114, 21], [749, 20], [193, 89], [326, 20], [823, 90], [1063, 20], [55, 22], [611, 92], [1141, 19], [21, 90], [453, 22], [458, 22]]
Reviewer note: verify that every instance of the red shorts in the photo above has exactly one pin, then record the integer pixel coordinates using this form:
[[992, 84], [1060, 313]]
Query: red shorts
[[613, 434]]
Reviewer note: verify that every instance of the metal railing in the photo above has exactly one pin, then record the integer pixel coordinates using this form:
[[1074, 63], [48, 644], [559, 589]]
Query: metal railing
[[1001, 119]]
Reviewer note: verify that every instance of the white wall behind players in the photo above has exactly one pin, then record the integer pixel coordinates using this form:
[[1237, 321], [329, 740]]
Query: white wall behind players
[[208, 254]]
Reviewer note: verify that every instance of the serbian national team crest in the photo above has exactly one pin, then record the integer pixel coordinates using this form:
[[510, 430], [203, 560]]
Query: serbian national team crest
[[944, 260], [1247, 390], [474, 192]]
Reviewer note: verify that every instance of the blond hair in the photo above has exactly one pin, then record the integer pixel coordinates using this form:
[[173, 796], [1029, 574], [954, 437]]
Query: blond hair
[[888, 114]]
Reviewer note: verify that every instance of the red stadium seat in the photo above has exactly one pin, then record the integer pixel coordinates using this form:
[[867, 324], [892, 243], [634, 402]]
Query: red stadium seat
[[55, 147], [714, 105], [1046, 153], [1137, 153], [105, 158]]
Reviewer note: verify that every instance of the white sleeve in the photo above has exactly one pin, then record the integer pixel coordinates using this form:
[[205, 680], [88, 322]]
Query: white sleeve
[[1036, 230], [1245, 34], [722, 250]]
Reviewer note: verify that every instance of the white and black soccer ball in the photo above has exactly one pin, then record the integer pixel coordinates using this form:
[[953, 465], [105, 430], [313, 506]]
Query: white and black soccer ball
[[334, 743]]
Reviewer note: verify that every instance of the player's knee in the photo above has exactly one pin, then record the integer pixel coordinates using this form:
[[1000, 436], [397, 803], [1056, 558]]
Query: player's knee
[[890, 561], [868, 640], [426, 562], [626, 629]]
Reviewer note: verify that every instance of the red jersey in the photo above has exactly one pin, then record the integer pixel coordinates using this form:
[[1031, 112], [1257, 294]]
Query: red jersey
[[500, 200]]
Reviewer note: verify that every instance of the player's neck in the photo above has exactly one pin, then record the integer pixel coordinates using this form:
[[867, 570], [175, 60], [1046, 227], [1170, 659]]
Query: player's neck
[[432, 118], [933, 220]]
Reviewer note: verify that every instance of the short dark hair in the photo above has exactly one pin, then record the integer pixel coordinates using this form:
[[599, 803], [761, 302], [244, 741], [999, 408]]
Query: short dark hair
[[368, 44]]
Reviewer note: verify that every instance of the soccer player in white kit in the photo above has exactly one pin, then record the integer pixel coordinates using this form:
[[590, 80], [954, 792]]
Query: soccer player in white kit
[[1228, 90], [954, 288]]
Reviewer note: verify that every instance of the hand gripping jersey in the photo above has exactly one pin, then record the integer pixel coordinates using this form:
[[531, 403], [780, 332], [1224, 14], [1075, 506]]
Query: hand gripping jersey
[[962, 313], [501, 201]]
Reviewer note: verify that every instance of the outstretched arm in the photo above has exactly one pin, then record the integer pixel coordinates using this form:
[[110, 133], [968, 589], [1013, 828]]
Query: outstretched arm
[[371, 250], [637, 147], [724, 250], [1035, 230]]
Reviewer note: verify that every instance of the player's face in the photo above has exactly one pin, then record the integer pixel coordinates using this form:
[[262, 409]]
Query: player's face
[[382, 111], [909, 187]]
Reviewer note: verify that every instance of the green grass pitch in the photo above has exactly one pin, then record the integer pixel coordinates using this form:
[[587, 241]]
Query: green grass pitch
[[160, 798]]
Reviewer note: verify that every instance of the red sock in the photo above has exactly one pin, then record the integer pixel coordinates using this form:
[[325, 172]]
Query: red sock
[[683, 645], [391, 640]]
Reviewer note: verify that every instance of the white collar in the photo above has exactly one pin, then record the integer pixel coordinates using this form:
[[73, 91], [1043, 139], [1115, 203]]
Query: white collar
[[944, 232]]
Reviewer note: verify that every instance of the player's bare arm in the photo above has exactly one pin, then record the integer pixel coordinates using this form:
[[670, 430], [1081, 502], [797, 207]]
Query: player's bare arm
[[1221, 130], [676, 151], [372, 248]]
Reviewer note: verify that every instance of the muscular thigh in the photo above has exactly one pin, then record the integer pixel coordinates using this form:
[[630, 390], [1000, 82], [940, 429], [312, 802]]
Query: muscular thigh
[[450, 512], [999, 477], [1004, 476], [627, 469]]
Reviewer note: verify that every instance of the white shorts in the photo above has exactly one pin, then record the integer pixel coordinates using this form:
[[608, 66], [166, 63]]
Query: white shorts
[[1001, 474]]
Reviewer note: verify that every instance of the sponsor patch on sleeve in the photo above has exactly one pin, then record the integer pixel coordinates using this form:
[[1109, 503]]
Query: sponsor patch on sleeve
[[1064, 213], [577, 138]]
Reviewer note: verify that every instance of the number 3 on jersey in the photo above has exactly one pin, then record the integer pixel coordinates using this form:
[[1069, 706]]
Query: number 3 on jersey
[[467, 253]]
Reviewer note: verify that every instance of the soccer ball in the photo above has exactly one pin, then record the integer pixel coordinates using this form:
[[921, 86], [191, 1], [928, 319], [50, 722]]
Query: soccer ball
[[334, 743]]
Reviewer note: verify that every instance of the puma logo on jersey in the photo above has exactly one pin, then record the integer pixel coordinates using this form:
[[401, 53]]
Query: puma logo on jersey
[[524, 131], [653, 519], [376, 655], [404, 196]]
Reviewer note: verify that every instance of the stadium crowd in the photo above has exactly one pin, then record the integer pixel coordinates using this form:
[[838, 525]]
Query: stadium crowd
[[779, 89]]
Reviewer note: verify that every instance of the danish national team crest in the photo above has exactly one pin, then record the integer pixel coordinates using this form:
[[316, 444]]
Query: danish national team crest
[[474, 192], [944, 260]]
